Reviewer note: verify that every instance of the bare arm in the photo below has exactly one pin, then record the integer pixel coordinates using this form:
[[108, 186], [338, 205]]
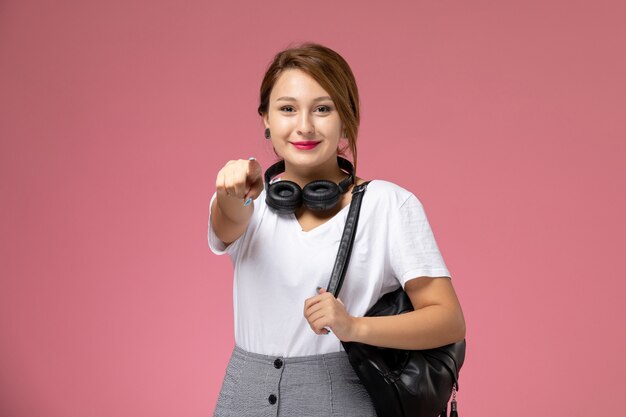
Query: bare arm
[[236, 182], [437, 320]]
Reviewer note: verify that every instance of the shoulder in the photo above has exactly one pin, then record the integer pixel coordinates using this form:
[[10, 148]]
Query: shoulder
[[388, 193]]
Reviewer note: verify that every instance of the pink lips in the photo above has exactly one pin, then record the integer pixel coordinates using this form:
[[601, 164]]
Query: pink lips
[[306, 145]]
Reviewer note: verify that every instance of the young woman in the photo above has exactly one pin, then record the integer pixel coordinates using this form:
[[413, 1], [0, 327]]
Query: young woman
[[288, 359]]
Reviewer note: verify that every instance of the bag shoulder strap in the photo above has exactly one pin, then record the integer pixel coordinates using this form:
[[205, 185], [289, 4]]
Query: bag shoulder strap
[[347, 240]]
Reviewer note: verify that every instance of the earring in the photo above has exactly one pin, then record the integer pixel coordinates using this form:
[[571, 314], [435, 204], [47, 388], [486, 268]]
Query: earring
[[267, 133]]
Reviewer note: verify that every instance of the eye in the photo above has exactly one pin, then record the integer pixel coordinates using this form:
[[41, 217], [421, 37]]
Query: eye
[[324, 109], [288, 109]]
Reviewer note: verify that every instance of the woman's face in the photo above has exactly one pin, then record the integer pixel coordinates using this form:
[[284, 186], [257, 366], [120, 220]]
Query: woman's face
[[303, 120]]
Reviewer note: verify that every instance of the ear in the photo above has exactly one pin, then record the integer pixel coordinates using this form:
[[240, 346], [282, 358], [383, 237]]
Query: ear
[[266, 120]]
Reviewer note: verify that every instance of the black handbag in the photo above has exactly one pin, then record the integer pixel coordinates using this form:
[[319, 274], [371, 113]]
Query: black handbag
[[401, 383]]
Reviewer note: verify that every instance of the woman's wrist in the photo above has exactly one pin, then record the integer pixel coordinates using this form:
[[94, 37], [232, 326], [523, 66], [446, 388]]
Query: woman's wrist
[[359, 329]]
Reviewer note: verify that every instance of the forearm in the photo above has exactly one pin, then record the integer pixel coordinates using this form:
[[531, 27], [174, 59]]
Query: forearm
[[232, 209], [229, 227], [426, 328]]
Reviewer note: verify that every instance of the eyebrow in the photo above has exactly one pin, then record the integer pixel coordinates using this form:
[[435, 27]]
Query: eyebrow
[[286, 98]]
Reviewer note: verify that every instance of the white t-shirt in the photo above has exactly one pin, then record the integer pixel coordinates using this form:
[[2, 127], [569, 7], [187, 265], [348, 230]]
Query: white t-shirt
[[278, 266]]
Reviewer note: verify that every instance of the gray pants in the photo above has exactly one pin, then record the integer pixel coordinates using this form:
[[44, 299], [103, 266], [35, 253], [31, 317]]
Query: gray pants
[[304, 386]]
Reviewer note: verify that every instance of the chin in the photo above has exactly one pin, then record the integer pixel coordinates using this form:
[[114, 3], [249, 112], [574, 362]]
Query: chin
[[313, 157]]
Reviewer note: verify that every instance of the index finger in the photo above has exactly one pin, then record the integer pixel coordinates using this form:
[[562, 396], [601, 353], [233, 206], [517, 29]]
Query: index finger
[[253, 168]]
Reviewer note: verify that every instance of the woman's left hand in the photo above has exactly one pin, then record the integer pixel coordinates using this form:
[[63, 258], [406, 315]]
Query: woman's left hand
[[324, 310]]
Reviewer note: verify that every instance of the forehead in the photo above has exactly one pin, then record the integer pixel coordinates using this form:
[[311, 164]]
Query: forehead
[[298, 84]]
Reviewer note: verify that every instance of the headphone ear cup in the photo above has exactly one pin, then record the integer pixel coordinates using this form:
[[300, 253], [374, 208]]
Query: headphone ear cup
[[284, 196], [320, 195]]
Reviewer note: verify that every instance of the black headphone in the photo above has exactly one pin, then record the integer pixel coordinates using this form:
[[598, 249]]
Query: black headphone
[[286, 196]]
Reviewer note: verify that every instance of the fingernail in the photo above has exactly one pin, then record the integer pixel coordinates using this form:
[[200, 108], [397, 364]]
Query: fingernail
[[252, 158], [248, 201], [318, 289]]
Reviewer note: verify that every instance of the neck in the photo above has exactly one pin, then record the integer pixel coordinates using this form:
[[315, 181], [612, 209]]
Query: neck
[[302, 175]]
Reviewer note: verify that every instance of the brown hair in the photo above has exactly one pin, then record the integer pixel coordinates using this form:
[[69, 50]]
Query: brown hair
[[332, 72]]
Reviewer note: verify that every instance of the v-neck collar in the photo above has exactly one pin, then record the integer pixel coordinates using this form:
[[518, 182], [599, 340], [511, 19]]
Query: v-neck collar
[[316, 230]]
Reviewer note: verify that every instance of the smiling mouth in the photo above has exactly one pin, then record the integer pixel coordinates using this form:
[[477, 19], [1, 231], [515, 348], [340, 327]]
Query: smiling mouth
[[305, 145]]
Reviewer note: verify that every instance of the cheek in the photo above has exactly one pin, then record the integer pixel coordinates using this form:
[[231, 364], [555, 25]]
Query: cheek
[[331, 123], [281, 124], [331, 130]]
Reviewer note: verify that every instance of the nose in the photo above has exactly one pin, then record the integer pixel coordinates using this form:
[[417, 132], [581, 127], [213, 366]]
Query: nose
[[305, 125]]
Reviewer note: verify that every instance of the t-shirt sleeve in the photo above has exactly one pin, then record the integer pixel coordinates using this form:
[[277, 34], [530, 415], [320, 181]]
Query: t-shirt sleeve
[[215, 244], [413, 250]]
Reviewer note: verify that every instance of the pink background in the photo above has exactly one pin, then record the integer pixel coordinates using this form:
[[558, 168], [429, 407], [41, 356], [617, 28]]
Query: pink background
[[505, 118]]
